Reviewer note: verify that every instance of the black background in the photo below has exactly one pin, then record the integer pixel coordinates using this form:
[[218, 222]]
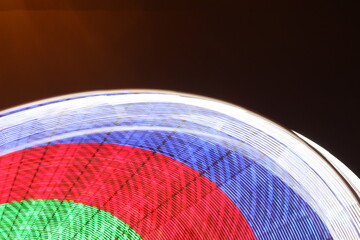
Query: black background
[[292, 61]]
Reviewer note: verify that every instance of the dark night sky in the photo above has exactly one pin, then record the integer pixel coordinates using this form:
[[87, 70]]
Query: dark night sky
[[292, 61]]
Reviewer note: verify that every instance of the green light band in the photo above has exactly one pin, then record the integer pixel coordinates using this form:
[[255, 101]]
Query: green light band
[[54, 219]]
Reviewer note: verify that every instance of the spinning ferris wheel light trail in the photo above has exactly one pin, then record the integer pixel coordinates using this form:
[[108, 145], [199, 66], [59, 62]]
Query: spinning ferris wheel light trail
[[154, 164]]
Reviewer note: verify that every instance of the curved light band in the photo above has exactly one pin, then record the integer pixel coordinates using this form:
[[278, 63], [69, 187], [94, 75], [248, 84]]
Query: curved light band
[[54, 219], [153, 194]]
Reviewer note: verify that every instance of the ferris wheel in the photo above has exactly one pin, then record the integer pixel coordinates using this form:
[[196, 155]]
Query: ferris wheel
[[149, 164]]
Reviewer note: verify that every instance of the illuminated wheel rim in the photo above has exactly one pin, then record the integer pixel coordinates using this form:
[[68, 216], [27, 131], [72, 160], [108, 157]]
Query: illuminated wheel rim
[[166, 165]]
